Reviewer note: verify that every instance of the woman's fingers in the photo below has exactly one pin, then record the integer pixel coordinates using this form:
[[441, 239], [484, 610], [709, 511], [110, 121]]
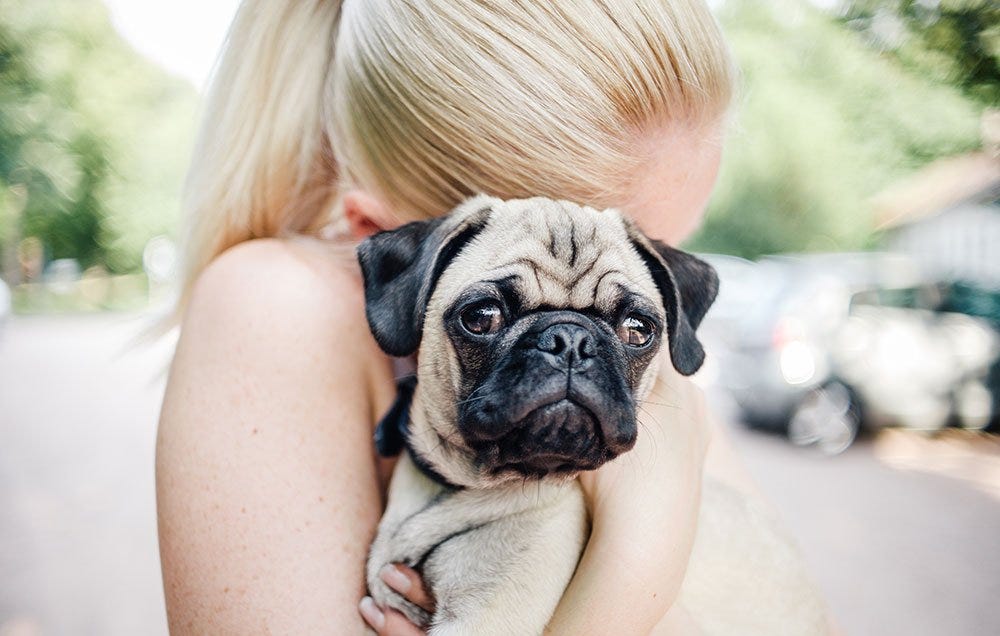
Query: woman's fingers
[[374, 616], [408, 583], [387, 622]]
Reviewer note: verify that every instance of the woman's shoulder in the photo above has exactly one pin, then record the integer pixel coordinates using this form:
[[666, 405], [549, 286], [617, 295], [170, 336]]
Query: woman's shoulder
[[286, 302], [280, 279]]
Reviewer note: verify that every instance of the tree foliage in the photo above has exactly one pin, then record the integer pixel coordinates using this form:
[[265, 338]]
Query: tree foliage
[[93, 138], [50, 168], [824, 123], [952, 41]]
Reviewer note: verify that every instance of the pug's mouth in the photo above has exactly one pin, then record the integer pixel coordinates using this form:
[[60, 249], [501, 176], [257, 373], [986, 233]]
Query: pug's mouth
[[560, 437]]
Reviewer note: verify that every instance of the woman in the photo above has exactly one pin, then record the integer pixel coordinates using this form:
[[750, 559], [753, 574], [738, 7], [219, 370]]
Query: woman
[[328, 121]]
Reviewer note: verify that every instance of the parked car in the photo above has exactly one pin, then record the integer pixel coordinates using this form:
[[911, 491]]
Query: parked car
[[981, 300], [915, 367], [924, 357], [818, 346]]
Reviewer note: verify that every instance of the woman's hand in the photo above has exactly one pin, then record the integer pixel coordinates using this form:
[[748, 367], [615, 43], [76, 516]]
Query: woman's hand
[[644, 511], [387, 621]]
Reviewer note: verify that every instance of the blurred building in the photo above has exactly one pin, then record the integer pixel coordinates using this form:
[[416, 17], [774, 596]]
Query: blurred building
[[947, 216]]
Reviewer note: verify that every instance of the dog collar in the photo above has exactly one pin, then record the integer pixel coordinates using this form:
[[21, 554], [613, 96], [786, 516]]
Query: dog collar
[[392, 434]]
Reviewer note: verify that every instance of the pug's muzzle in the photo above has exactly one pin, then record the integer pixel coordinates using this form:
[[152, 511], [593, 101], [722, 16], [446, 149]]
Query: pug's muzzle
[[558, 400]]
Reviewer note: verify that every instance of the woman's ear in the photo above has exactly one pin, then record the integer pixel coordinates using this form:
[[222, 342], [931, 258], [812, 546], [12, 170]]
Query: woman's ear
[[366, 215]]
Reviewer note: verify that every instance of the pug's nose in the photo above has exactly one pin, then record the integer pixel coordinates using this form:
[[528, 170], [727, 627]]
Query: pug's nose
[[567, 346]]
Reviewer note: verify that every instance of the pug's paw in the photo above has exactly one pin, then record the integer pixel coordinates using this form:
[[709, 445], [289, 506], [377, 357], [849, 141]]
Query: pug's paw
[[385, 597]]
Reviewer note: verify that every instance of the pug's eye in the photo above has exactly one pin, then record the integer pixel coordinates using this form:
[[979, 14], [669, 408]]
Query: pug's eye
[[483, 318], [635, 331]]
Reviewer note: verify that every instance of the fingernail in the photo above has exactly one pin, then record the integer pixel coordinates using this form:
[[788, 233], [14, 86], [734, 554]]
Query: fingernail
[[372, 613], [395, 579]]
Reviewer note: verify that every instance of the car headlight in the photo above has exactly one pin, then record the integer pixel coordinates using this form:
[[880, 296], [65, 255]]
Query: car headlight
[[797, 362]]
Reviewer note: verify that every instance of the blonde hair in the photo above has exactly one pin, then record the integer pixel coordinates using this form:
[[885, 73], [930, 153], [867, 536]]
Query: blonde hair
[[424, 102]]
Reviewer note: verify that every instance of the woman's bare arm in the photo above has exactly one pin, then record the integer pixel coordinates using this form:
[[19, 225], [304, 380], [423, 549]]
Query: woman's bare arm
[[644, 507], [267, 489]]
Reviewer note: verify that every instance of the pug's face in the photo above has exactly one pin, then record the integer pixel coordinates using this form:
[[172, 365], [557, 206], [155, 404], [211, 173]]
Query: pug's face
[[538, 324]]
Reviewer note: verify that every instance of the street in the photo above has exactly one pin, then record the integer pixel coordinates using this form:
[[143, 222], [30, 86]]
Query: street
[[895, 550], [902, 532], [78, 552]]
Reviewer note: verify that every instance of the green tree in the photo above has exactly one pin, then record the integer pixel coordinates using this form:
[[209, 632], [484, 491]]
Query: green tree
[[953, 41], [97, 136], [824, 123], [58, 168]]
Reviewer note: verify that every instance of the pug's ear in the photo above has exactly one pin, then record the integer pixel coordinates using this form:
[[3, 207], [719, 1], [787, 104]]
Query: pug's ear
[[400, 269], [688, 286]]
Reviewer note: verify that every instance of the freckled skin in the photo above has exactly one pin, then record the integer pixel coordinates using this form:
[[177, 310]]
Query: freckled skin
[[264, 430]]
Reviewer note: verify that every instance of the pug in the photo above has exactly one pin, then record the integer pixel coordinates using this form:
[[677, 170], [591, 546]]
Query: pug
[[538, 327]]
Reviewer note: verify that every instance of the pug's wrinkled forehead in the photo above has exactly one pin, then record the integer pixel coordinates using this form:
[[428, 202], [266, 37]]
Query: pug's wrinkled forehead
[[551, 254], [556, 252]]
